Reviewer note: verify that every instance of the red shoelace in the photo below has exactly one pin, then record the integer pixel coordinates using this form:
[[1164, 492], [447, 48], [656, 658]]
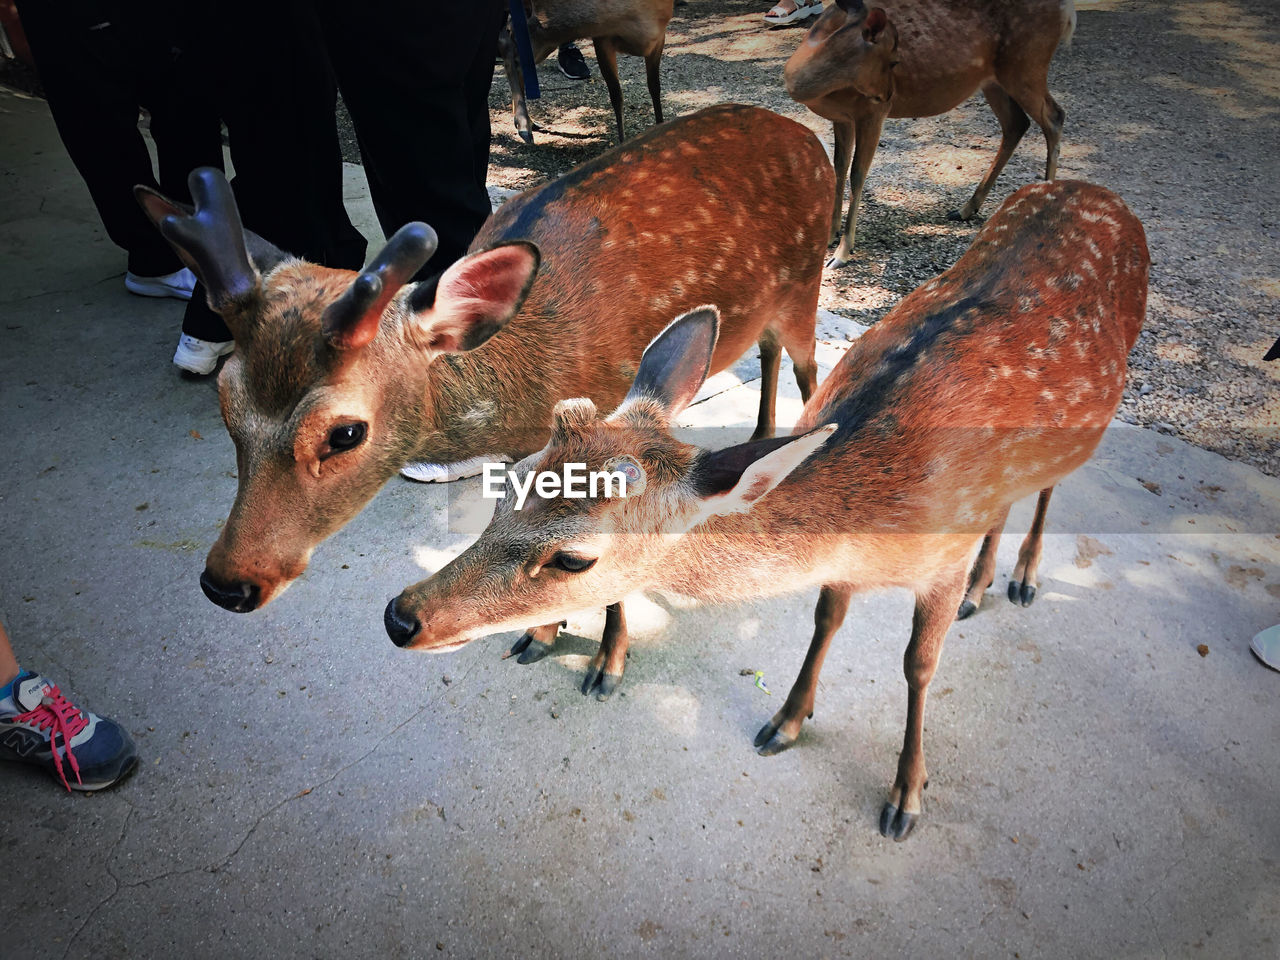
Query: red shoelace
[[59, 716]]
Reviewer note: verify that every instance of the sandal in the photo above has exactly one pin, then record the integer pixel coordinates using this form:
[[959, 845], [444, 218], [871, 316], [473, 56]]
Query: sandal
[[779, 17]]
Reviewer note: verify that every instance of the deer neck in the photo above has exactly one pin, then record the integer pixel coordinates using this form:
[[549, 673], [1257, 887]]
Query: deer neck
[[487, 402]]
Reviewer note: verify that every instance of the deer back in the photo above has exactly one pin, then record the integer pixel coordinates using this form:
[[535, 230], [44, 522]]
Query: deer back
[[684, 214], [990, 382]]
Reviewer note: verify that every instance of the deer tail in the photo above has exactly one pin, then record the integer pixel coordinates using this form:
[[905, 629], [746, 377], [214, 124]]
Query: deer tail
[[1068, 8]]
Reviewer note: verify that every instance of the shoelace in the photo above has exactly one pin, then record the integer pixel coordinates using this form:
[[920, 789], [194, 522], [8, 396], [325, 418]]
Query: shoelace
[[58, 715]]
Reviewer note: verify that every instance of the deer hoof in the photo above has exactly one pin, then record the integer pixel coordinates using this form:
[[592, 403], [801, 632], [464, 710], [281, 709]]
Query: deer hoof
[[963, 215], [603, 684], [1023, 594], [526, 135], [606, 685], [771, 741], [519, 646], [967, 609], [534, 651], [896, 823]]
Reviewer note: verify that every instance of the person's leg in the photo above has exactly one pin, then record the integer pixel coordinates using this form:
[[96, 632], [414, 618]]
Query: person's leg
[[88, 80], [419, 98], [40, 726], [278, 101], [8, 662]]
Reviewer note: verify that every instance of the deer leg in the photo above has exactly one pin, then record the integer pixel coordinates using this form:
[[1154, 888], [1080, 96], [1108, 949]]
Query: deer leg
[[515, 79], [842, 159], [604, 673], [770, 360], [867, 137], [1039, 104], [1022, 586], [984, 570], [651, 61], [933, 614], [1054, 118], [535, 643], [1013, 124], [781, 732], [607, 61], [800, 348]]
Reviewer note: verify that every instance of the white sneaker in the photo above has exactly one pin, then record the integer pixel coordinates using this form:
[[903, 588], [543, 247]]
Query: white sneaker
[[178, 284], [448, 472], [200, 356], [1266, 647]]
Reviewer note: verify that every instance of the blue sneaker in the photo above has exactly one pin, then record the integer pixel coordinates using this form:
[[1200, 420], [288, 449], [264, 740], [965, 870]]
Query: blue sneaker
[[39, 725]]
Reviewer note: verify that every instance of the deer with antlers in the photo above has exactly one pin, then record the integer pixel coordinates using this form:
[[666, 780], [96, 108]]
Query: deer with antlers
[[339, 379], [858, 67], [990, 382]]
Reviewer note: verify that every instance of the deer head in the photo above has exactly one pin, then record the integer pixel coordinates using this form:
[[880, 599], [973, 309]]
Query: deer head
[[324, 394], [848, 47], [558, 555]]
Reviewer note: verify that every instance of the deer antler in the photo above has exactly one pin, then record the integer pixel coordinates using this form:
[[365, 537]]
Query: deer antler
[[351, 321], [213, 238]]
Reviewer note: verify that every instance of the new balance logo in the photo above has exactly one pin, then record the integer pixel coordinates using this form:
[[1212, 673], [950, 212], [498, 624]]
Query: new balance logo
[[22, 742]]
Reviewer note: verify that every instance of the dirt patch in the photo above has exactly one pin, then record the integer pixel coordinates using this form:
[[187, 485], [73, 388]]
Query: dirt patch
[[1088, 549]]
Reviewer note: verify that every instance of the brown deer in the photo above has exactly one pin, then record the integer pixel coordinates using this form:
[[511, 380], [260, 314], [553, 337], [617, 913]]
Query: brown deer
[[339, 379], [634, 27], [990, 382], [921, 58]]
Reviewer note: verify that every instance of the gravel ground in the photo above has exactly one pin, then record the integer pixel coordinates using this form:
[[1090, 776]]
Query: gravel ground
[[1172, 104]]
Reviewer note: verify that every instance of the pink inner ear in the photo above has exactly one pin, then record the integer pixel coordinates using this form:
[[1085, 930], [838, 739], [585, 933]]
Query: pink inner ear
[[479, 294], [875, 22], [155, 205], [496, 275]]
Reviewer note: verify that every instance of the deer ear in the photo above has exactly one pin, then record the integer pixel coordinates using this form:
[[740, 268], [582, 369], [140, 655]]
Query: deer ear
[[676, 363], [875, 24], [475, 297], [732, 480], [158, 209]]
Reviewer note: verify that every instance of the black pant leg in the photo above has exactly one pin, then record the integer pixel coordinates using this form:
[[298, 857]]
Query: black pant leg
[[270, 76], [415, 77], [92, 87]]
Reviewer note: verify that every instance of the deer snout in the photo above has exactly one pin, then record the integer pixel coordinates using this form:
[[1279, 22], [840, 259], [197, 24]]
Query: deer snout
[[400, 629], [236, 597]]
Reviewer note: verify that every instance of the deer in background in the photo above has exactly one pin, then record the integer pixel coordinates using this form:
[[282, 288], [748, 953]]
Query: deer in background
[[634, 27], [921, 58], [339, 379], [992, 381]]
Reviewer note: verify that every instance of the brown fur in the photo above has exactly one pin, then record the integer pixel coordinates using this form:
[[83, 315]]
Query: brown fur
[[990, 382], [921, 58], [682, 215]]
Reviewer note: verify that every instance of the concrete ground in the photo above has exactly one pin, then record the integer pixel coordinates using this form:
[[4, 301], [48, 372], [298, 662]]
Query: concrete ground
[[1099, 788]]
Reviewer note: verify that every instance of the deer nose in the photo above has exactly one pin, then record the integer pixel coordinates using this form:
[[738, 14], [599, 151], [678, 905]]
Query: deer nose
[[400, 629], [237, 597]]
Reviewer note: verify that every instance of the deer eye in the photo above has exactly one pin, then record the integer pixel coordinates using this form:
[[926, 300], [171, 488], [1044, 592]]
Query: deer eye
[[348, 436], [570, 563]]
